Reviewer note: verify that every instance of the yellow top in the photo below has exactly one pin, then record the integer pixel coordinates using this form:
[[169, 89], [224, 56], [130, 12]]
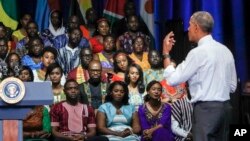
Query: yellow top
[[18, 34], [144, 63]]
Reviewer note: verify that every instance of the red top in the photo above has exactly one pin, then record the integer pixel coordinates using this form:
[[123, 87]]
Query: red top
[[116, 78], [96, 45], [85, 32], [176, 92]]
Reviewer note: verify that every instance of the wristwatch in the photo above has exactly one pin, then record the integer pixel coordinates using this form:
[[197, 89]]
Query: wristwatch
[[164, 56]]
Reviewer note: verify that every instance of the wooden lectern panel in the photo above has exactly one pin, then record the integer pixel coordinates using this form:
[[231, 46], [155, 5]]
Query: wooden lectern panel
[[10, 130]]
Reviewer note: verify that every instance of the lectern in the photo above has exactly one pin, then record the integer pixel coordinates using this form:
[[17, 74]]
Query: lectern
[[11, 115]]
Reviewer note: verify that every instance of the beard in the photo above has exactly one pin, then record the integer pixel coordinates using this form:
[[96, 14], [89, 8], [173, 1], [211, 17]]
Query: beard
[[72, 99], [85, 65], [35, 54], [3, 55], [156, 65], [95, 81]]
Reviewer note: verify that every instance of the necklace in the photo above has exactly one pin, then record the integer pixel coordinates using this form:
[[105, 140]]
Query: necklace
[[41, 74], [153, 116], [57, 90], [152, 110]]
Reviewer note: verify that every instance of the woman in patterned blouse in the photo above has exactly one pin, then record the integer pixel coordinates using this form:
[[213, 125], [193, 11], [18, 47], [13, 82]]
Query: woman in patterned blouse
[[155, 117]]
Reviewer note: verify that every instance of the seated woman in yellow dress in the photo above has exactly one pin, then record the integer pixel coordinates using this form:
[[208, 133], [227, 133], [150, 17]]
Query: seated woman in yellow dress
[[139, 56], [20, 33]]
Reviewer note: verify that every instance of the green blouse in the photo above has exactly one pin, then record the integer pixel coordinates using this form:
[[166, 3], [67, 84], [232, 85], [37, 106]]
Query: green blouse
[[45, 123]]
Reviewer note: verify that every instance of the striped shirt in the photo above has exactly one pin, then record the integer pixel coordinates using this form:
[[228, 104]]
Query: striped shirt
[[68, 58], [182, 111]]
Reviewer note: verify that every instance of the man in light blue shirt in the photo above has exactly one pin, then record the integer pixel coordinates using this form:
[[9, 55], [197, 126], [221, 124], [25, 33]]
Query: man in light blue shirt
[[211, 75]]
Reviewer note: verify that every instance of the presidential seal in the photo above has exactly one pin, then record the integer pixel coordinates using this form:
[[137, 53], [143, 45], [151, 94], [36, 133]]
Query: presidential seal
[[12, 90]]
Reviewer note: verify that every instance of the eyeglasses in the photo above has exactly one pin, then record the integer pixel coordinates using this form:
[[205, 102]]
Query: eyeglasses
[[97, 70]]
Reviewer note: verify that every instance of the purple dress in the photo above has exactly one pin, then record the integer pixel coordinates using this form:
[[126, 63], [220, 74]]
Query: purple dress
[[147, 121]]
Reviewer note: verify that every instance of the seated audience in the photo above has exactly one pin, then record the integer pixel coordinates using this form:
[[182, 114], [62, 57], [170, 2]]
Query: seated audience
[[116, 119], [20, 33], [134, 80], [172, 93], [25, 74], [72, 120], [94, 90], [61, 41], [56, 27], [13, 62], [121, 63], [124, 42], [182, 111], [138, 55], [155, 116], [54, 74], [103, 29], [5, 33], [5, 71], [120, 26], [156, 70], [68, 56], [4, 51], [33, 58], [36, 124], [80, 73], [91, 19], [48, 57], [106, 56], [22, 46]]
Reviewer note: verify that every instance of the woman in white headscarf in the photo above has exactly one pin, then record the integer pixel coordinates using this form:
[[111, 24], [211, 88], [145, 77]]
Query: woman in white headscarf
[[55, 25]]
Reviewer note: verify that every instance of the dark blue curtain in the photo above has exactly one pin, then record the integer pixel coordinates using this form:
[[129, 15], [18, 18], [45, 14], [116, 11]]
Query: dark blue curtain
[[229, 29], [239, 38]]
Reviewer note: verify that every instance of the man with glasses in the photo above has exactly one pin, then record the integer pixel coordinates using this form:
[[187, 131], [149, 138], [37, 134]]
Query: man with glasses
[[94, 90]]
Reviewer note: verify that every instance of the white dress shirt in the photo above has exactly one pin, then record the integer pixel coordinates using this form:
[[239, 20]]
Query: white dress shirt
[[209, 70], [175, 127]]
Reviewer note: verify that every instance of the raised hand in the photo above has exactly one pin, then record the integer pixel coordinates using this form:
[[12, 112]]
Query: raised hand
[[168, 43]]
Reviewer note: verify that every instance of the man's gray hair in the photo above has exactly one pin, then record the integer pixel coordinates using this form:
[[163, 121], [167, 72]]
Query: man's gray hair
[[204, 20]]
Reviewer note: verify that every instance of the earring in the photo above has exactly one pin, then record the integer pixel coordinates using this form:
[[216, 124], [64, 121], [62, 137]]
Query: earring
[[159, 99]]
